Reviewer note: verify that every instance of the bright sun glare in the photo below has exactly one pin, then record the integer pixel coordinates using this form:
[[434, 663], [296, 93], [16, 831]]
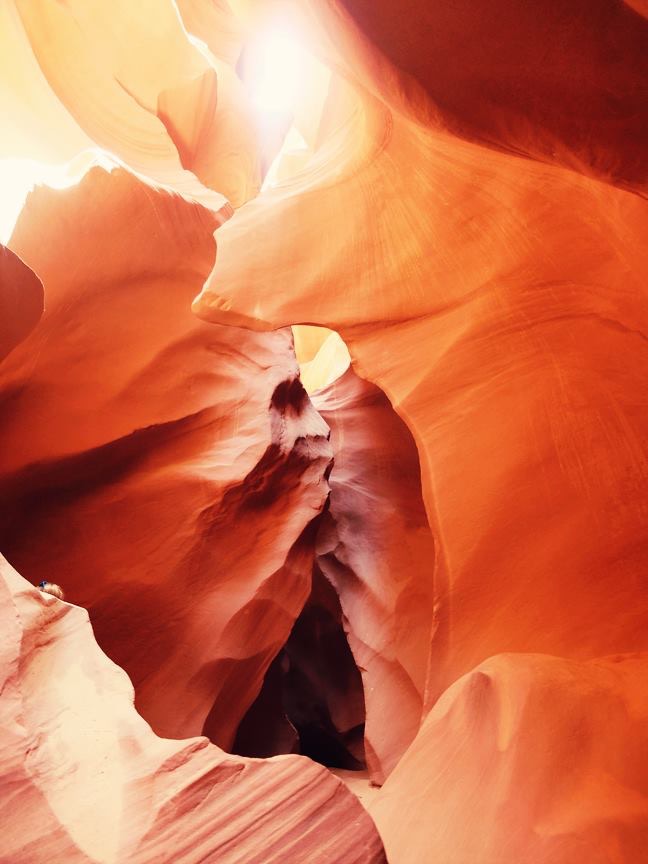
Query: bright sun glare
[[288, 85], [19, 176], [275, 69], [278, 71]]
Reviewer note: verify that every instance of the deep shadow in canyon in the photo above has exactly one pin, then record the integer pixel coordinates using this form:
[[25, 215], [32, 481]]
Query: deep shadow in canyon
[[312, 700]]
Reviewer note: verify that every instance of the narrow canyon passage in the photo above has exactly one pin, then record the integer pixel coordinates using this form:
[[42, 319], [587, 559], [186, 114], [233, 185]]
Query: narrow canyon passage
[[323, 399], [278, 597], [371, 531], [311, 701]]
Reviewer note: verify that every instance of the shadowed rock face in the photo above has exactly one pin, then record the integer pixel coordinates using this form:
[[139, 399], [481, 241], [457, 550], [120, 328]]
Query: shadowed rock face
[[91, 782], [375, 552], [21, 301], [375, 547], [323, 690], [169, 468], [497, 74], [312, 699]]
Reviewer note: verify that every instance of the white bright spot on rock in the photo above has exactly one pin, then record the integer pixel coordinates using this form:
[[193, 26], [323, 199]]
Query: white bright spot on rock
[[277, 63]]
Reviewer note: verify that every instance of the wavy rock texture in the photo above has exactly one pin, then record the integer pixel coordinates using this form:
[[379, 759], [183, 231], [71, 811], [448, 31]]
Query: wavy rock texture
[[500, 304], [92, 783], [472, 223], [169, 468], [527, 758], [21, 301], [375, 546], [509, 88], [173, 112]]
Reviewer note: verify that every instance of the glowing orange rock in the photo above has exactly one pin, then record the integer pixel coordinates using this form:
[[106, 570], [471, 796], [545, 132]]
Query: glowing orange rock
[[169, 468], [163, 109], [21, 300], [375, 546], [526, 758], [469, 225], [562, 82], [500, 304], [90, 781]]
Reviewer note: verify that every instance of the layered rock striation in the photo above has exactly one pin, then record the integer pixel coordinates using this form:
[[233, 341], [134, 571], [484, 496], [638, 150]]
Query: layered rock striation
[[86, 780], [526, 758], [466, 210], [375, 546], [169, 469]]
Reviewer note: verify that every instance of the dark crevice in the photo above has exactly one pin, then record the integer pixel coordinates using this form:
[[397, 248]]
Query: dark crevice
[[311, 701]]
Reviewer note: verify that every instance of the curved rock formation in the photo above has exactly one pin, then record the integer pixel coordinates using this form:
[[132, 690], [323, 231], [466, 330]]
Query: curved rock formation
[[500, 304], [161, 110], [526, 758], [169, 468], [90, 782], [499, 75], [21, 301], [462, 198], [375, 546]]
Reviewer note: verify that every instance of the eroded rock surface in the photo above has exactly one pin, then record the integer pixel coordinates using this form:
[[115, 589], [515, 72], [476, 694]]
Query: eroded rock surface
[[468, 212], [168, 468], [375, 546], [21, 301], [562, 82], [85, 779], [499, 302], [526, 758]]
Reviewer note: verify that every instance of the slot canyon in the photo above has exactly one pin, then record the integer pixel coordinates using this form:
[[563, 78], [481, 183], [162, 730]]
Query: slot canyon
[[324, 400]]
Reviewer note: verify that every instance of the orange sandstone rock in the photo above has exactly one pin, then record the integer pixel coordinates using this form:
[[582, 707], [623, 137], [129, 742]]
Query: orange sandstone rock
[[169, 468], [137, 86], [500, 305], [527, 758], [564, 82], [85, 780], [21, 301], [375, 546], [473, 225]]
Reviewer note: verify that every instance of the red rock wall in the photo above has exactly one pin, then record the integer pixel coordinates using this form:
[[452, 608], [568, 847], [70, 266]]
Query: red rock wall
[[21, 301], [527, 758], [564, 82], [375, 546], [166, 470], [473, 224], [89, 781]]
